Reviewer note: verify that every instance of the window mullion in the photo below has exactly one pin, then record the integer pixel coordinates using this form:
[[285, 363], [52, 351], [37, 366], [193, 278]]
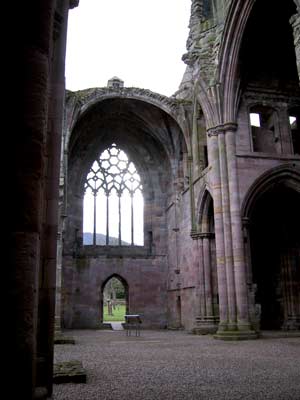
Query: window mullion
[[107, 219], [120, 239], [95, 215], [132, 221]]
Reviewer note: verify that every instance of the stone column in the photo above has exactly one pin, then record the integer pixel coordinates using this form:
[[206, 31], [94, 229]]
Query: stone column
[[49, 256], [201, 277], [213, 155], [206, 321], [207, 273], [192, 195], [227, 233], [26, 191], [237, 233]]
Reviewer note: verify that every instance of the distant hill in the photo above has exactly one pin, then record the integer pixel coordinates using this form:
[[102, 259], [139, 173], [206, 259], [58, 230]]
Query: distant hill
[[101, 240]]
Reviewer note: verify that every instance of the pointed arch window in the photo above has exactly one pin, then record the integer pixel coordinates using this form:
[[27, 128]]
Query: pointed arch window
[[113, 208]]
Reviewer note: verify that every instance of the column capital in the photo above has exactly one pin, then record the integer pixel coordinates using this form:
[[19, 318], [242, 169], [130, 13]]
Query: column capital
[[201, 235], [230, 126], [223, 128], [215, 131]]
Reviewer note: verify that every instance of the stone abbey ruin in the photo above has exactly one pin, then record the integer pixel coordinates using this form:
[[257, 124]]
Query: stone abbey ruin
[[215, 247]]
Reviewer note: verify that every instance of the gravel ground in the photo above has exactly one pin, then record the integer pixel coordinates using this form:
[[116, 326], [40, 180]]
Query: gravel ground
[[175, 365]]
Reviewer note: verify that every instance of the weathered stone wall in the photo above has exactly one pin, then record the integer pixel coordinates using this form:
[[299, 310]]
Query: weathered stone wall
[[184, 259], [84, 279]]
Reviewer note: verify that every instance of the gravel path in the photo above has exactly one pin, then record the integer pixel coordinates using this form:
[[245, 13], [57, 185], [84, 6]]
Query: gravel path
[[175, 365]]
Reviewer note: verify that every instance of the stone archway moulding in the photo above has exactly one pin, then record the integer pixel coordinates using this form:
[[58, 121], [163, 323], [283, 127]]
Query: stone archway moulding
[[202, 207], [237, 17], [220, 101], [117, 276], [289, 174], [85, 99], [123, 282], [217, 111], [236, 21]]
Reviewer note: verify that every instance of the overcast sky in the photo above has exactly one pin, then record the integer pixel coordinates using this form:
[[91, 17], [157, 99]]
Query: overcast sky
[[140, 41]]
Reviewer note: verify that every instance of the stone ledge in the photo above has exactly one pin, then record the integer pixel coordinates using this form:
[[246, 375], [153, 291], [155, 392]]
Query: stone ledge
[[69, 371]]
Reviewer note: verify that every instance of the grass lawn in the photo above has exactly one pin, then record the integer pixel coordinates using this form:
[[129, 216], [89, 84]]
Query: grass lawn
[[118, 314]]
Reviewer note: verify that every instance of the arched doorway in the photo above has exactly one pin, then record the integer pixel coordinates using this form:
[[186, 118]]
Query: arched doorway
[[114, 299], [275, 254]]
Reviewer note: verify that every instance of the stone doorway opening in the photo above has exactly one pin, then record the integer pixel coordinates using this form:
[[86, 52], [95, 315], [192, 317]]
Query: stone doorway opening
[[275, 254], [114, 304]]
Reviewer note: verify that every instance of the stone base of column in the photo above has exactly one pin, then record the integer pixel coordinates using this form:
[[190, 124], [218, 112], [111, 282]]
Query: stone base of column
[[205, 325], [292, 323], [236, 335], [59, 336], [40, 393]]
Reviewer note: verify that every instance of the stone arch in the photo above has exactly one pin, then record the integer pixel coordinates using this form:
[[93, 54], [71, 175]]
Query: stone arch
[[233, 34], [271, 231], [289, 174], [235, 24], [209, 99], [83, 100], [150, 137], [204, 205], [126, 288]]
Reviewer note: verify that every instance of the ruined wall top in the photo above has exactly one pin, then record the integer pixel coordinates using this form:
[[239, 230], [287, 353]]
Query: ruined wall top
[[74, 3], [203, 43]]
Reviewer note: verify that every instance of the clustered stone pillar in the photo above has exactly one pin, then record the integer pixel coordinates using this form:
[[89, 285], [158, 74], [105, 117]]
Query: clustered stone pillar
[[207, 273], [206, 321], [240, 272], [227, 232], [201, 277], [213, 155], [231, 267]]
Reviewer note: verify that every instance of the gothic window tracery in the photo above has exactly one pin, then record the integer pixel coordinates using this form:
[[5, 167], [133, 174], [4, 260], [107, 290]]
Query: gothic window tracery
[[113, 201]]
